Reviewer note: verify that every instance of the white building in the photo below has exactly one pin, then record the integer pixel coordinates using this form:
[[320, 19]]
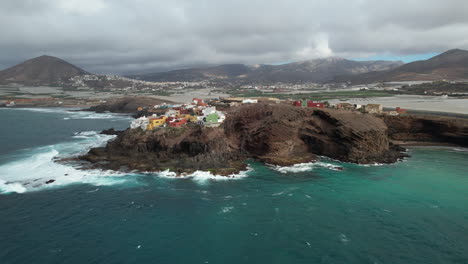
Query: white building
[[249, 101], [141, 122], [209, 110]]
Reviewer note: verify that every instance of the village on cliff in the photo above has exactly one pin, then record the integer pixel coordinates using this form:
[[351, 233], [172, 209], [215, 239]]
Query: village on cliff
[[206, 114]]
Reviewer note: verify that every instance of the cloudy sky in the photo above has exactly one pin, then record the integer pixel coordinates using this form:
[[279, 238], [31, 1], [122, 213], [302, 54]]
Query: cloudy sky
[[129, 36]]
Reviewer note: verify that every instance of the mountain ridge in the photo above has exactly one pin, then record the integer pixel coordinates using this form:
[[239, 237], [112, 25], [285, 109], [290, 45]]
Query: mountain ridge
[[451, 65], [316, 70]]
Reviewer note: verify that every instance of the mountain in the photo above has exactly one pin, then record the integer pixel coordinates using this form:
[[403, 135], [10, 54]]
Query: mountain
[[450, 65], [226, 71], [42, 70], [318, 70]]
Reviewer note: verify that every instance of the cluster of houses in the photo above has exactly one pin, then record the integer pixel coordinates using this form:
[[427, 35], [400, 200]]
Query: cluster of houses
[[197, 112], [369, 108]]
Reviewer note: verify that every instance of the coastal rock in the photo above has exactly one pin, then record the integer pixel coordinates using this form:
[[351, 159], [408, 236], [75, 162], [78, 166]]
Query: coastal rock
[[277, 134], [111, 131], [126, 105], [425, 129]]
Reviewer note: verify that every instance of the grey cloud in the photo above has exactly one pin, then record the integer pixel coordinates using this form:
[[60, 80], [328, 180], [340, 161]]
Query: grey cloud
[[130, 36]]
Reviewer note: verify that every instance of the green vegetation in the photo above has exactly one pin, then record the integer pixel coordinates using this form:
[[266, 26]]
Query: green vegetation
[[317, 96]]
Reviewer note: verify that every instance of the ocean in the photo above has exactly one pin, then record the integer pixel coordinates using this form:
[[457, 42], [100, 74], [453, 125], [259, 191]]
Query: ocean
[[414, 211]]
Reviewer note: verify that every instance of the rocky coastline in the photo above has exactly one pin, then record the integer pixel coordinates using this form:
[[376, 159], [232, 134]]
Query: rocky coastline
[[276, 134]]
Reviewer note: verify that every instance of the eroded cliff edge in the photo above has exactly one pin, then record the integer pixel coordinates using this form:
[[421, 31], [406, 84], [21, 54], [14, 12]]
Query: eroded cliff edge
[[273, 133]]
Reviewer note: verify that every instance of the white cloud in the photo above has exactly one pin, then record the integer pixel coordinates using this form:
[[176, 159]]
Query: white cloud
[[81, 7], [145, 35]]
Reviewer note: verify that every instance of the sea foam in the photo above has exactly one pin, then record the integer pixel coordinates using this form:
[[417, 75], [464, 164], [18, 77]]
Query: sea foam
[[303, 167], [74, 113], [203, 177], [38, 166]]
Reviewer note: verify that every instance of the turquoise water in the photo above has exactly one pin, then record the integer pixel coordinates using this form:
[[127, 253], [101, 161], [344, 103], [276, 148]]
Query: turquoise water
[[414, 211]]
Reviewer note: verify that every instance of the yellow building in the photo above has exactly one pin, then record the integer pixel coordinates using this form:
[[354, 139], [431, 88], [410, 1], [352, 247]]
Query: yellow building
[[156, 122], [190, 118]]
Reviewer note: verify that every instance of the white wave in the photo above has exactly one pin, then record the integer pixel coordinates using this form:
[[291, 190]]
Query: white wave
[[75, 113], [203, 176], [38, 169], [44, 110], [461, 149], [344, 238], [6, 187], [303, 167], [227, 209], [91, 115], [375, 164]]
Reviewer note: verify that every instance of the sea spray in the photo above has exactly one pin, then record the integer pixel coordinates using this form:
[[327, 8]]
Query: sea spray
[[303, 167]]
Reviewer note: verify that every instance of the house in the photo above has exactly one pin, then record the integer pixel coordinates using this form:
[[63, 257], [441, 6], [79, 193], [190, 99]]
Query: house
[[209, 110], [401, 110], [211, 118], [141, 122], [345, 106], [156, 122], [315, 104], [373, 109], [232, 100], [249, 101], [178, 122], [197, 101], [189, 118], [172, 112], [302, 103]]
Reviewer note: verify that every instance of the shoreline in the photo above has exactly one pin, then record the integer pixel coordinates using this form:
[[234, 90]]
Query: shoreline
[[423, 144]]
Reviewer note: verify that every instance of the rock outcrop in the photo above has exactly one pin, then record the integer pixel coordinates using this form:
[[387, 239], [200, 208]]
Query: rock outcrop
[[127, 105], [273, 133], [424, 129]]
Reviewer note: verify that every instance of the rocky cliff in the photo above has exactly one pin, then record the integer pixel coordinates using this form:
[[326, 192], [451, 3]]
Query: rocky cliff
[[423, 129], [273, 133]]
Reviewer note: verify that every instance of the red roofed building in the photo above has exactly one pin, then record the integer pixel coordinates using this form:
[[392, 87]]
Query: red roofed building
[[178, 122], [197, 101], [400, 110], [315, 104]]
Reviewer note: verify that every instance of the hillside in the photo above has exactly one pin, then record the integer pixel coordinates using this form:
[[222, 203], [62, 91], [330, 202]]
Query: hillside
[[42, 70], [318, 70], [450, 65], [226, 71]]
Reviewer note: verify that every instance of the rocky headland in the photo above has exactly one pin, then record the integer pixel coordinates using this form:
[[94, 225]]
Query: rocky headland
[[128, 105], [276, 134], [426, 130]]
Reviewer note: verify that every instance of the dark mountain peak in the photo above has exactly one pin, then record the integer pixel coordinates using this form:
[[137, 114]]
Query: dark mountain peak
[[453, 55], [457, 51], [450, 65], [41, 70]]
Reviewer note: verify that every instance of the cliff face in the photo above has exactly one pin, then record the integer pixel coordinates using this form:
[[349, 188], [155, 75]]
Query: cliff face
[[126, 105], [276, 134], [432, 129], [177, 149], [284, 134]]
